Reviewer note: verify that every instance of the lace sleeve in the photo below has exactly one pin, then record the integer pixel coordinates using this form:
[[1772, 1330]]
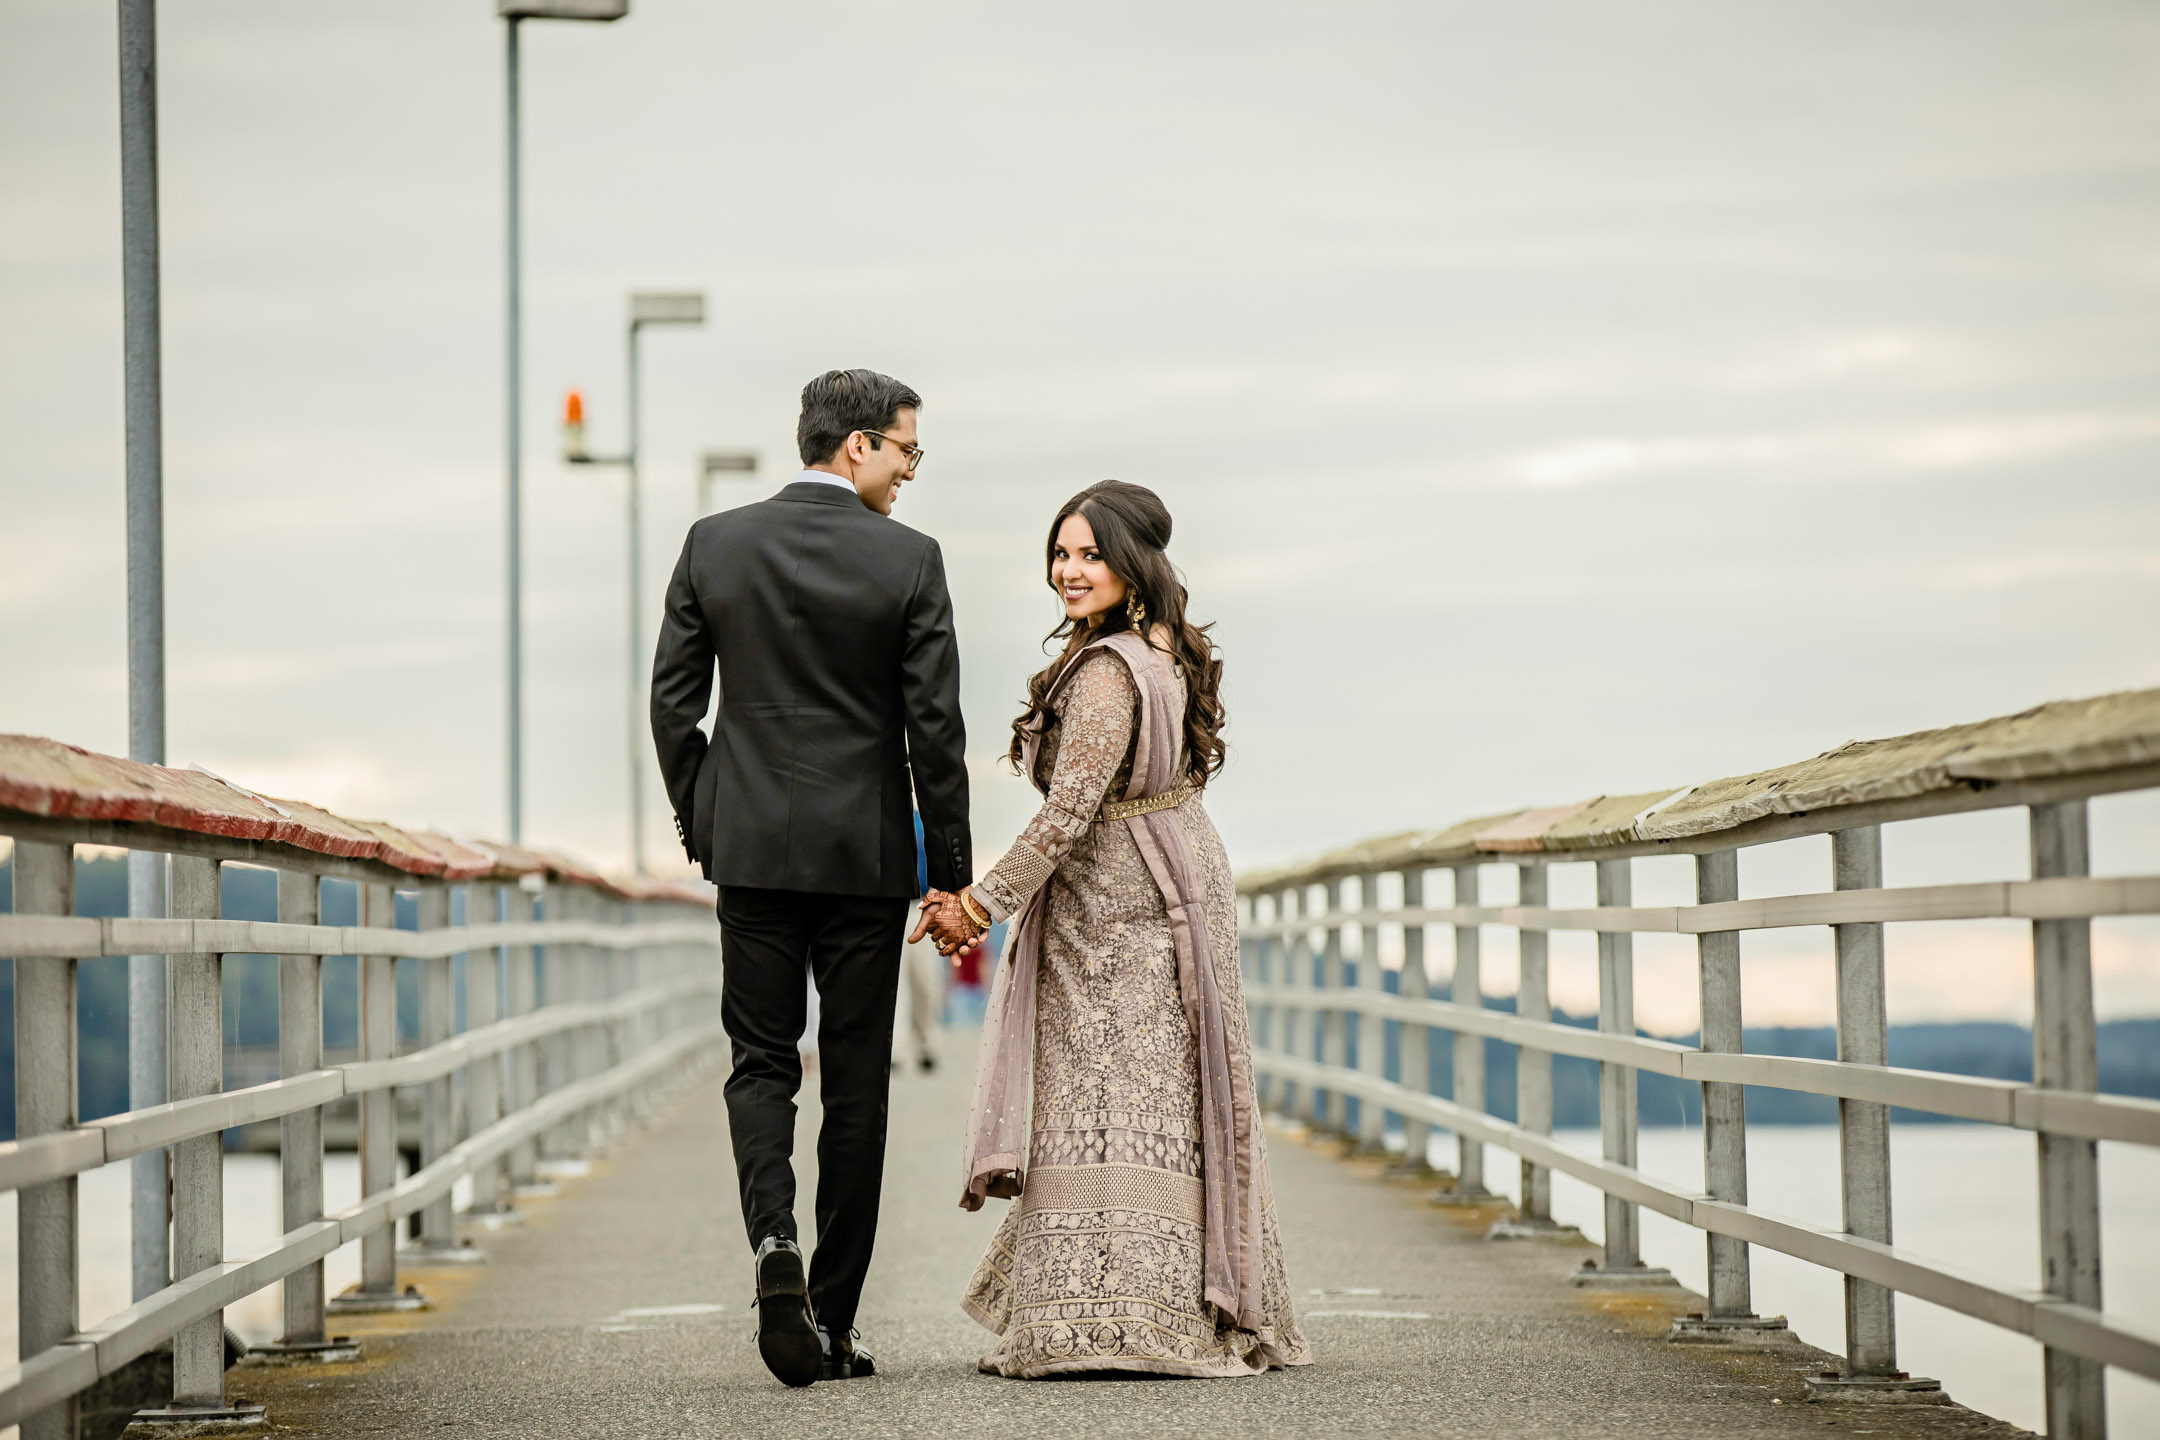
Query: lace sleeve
[[1095, 727]]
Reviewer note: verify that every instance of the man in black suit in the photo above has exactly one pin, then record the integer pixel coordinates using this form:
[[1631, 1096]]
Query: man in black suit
[[839, 686]]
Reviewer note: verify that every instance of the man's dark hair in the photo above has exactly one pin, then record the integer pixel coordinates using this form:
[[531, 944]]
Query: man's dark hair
[[840, 402]]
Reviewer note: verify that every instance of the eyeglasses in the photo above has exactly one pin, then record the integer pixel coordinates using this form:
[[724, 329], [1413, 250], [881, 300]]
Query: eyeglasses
[[914, 453]]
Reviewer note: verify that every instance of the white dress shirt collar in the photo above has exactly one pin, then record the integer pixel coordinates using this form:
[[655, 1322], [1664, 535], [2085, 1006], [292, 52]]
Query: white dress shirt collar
[[824, 477]]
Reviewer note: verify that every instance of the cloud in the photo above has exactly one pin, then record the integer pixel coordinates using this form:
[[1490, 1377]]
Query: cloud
[[1588, 461], [1969, 444], [1957, 445], [1868, 353]]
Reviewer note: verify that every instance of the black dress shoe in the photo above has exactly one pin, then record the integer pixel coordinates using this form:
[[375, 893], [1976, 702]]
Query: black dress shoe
[[787, 1338], [845, 1357]]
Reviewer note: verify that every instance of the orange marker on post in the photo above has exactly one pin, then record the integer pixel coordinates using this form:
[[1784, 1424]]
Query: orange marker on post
[[574, 427]]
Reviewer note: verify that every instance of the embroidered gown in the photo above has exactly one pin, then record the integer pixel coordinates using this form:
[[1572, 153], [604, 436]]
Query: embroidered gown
[[1098, 1264]]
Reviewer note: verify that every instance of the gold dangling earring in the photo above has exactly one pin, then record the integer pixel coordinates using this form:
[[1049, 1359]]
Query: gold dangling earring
[[1135, 610]]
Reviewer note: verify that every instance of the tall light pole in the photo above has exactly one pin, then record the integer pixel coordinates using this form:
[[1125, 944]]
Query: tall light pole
[[513, 12], [647, 307], [142, 348]]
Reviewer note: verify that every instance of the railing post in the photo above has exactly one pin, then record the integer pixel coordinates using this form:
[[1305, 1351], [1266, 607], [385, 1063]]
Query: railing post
[[378, 1107], [300, 1134], [149, 1079], [1468, 988], [568, 966], [590, 1037], [1274, 970], [1732, 1302], [1296, 982], [521, 905], [1416, 1047], [599, 1120], [437, 1219], [47, 1217], [198, 1068], [483, 1078], [592, 990], [1616, 1082], [631, 1035], [1863, 1032], [1252, 952], [2065, 1058], [1533, 1067], [1334, 1021], [566, 903], [617, 972], [1371, 1029]]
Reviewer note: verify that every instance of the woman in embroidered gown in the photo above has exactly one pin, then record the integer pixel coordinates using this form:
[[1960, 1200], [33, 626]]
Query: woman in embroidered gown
[[1142, 1237]]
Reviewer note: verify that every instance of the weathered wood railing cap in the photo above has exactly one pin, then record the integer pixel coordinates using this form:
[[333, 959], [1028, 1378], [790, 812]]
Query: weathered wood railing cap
[[56, 781], [2059, 740], [515, 862]]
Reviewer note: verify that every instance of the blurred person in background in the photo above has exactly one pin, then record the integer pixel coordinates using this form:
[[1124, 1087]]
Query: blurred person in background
[[967, 997], [924, 969]]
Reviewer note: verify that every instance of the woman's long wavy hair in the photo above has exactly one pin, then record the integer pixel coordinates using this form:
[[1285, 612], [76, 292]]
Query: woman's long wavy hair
[[1132, 530]]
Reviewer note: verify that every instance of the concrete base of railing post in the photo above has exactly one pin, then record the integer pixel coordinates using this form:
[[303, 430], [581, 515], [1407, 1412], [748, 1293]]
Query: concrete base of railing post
[[1472, 1197], [179, 1422], [501, 1216], [1515, 1227], [1829, 1387], [1593, 1276], [1743, 1330], [441, 1252], [379, 1302], [337, 1350], [563, 1167]]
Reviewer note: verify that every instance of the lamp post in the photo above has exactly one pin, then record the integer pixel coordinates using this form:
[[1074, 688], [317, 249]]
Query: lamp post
[[512, 13], [722, 462], [647, 307], [141, 346]]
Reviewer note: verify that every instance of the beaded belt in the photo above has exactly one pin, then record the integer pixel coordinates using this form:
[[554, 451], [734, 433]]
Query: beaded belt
[[1147, 804]]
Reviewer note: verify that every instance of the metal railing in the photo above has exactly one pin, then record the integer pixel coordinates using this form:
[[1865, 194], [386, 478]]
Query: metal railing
[[631, 1004], [1294, 923]]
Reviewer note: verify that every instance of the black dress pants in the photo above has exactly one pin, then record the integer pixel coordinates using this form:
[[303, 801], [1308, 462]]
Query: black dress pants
[[850, 946]]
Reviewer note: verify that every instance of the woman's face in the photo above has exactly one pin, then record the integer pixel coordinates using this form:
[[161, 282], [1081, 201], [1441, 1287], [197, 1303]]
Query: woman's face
[[1080, 575]]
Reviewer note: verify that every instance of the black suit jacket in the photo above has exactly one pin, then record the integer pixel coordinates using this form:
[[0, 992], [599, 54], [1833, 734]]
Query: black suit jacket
[[839, 677]]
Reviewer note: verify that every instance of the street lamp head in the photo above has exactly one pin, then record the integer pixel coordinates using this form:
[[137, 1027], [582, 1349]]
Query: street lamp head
[[726, 462], [573, 427], [667, 307], [721, 462], [562, 9]]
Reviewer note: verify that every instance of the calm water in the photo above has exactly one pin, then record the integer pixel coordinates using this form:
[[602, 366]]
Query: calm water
[[251, 1224], [1964, 1193]]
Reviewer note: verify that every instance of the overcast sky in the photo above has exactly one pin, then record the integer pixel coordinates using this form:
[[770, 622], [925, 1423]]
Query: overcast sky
[[1553, 399]]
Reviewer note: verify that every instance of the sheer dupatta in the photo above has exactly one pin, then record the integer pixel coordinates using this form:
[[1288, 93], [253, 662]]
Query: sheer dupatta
[[1229, 1123]]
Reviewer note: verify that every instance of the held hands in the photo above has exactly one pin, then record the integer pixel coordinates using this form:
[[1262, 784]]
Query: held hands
[[946, 921]]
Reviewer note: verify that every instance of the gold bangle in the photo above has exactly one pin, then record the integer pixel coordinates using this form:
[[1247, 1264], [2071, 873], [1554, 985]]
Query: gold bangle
[[980, 917]]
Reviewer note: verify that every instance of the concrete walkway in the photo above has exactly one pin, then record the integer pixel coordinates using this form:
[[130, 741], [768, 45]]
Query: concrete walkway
[[621, 1309]]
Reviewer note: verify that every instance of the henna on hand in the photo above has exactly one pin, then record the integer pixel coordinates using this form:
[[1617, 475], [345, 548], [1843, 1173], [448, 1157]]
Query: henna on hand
[[926, 905], [950, 925]]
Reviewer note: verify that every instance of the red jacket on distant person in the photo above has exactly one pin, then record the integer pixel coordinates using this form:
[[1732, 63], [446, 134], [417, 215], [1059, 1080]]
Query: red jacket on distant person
[[969, 964]]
